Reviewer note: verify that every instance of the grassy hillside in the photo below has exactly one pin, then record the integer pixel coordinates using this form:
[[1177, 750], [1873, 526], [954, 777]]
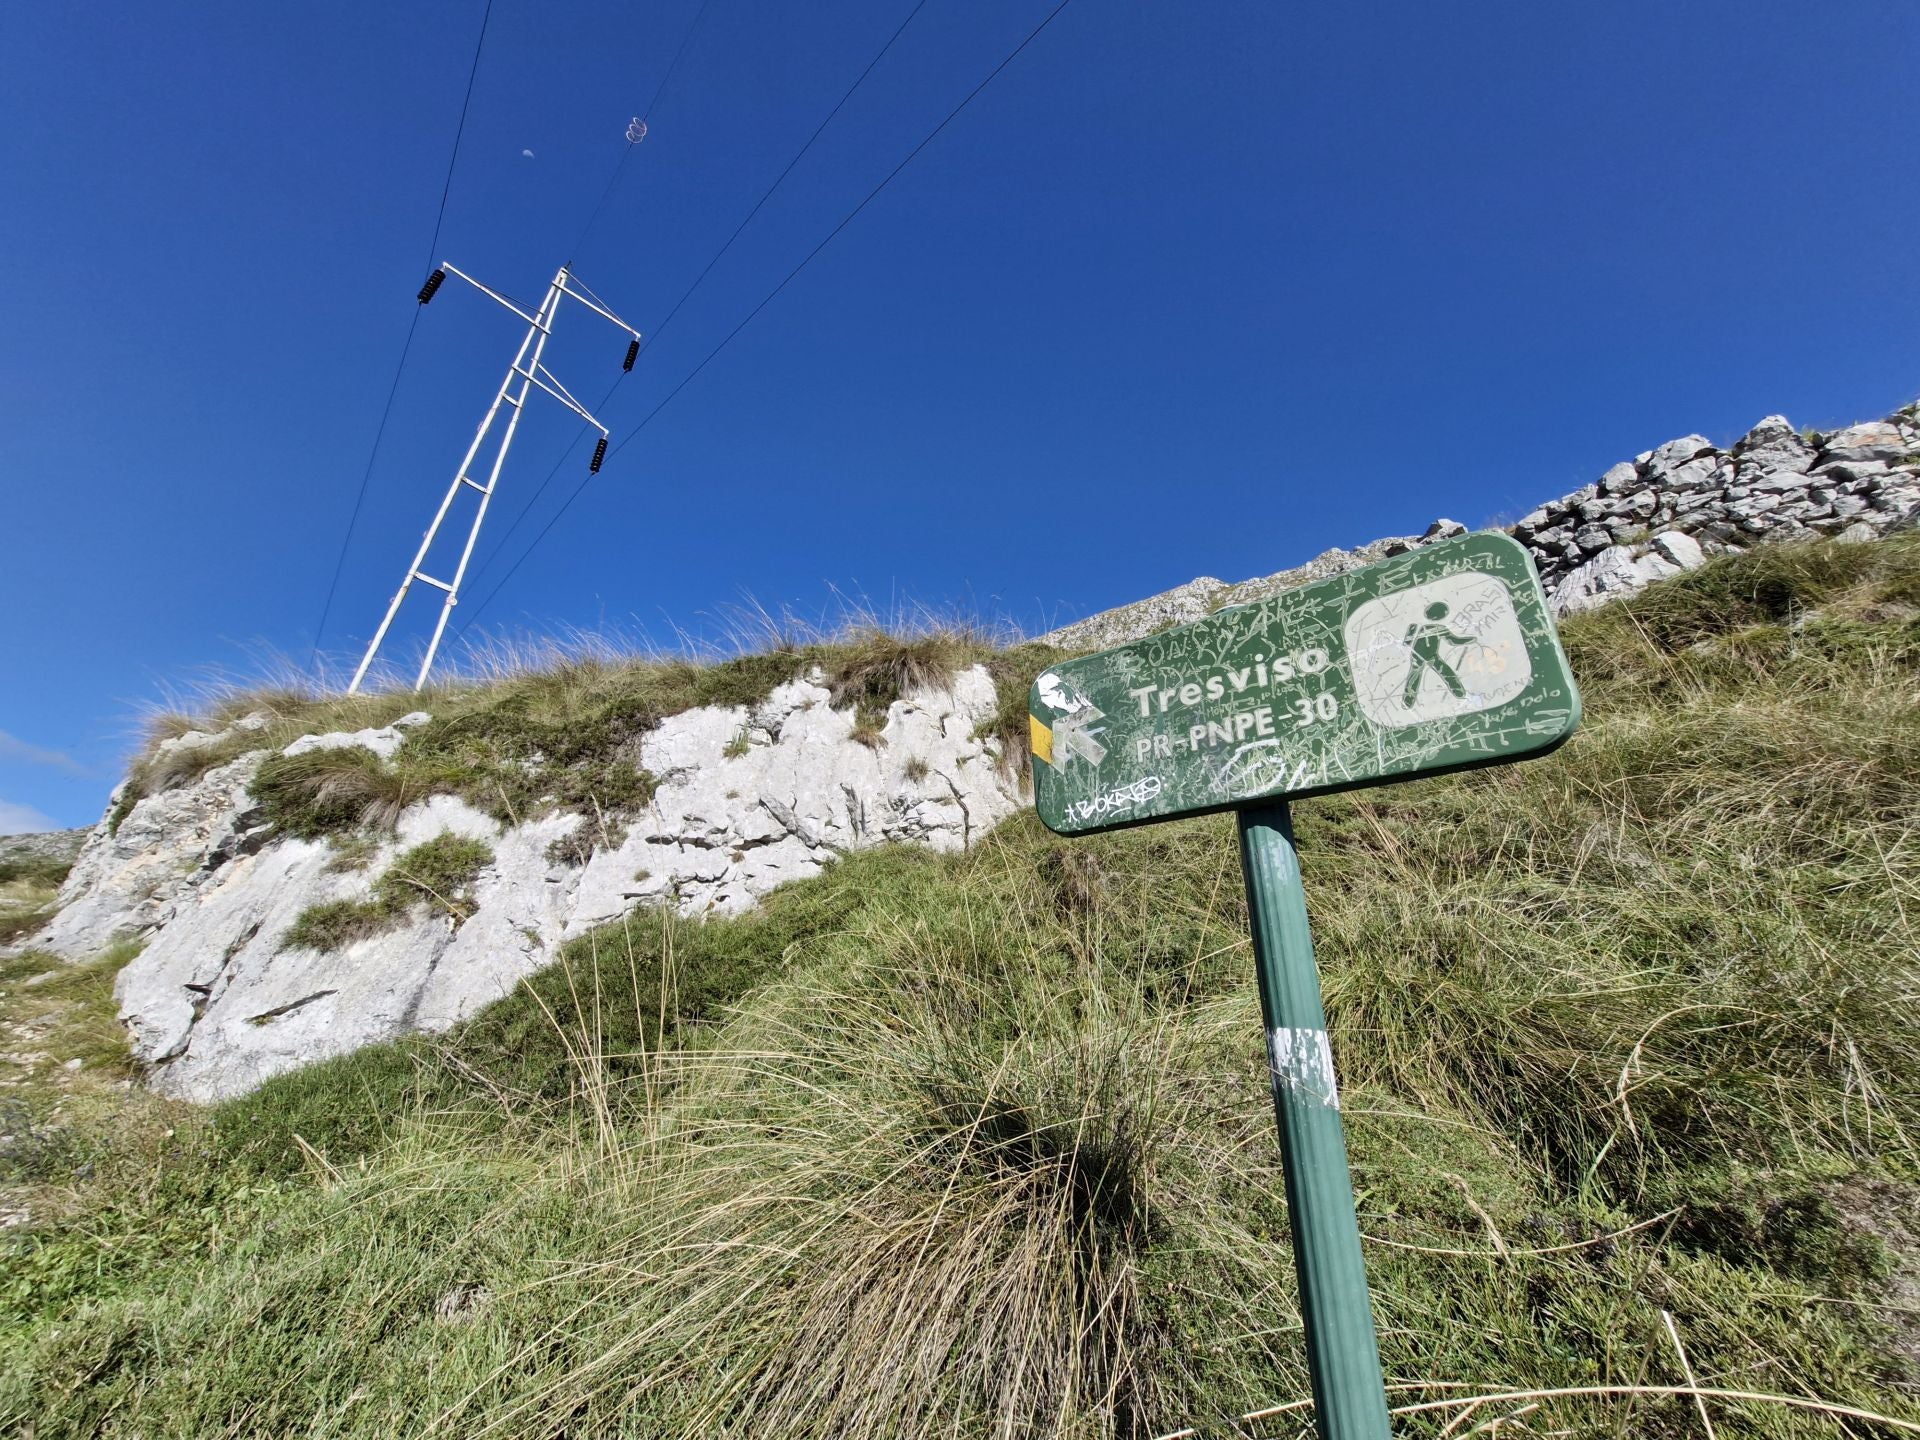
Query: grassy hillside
[[30, 875], [980, 1145], [521, 735]]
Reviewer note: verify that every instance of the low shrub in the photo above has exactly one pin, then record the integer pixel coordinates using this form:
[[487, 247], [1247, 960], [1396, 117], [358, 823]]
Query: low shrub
[[437, 873], [563, 735]]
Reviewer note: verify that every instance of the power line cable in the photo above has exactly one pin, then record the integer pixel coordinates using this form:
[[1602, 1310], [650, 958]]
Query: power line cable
[[632, 145], [406, 348], [851, 215], [619, 167], [891, 175], [798, 155], [433, 249]]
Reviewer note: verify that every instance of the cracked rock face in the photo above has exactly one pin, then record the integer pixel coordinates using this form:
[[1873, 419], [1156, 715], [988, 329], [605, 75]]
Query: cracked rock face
[[724, 828], [129, 881], [218, 1002]]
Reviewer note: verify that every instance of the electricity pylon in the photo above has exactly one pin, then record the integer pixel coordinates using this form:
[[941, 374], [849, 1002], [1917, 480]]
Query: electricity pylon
[[523, 375]]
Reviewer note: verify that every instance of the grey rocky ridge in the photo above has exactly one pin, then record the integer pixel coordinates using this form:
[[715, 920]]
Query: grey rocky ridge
[[223, 993], [1659, 513], [45, 846]]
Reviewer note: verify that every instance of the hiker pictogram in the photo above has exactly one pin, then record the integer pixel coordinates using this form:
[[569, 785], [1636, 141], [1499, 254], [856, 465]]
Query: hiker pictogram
[[1424, 638], [1461, 627]]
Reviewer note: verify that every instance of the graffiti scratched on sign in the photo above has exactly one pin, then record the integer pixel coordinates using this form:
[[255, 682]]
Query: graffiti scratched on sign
[[1440, 659]]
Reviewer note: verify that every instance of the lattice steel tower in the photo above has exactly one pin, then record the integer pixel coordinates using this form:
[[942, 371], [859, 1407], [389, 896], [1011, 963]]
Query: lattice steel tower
[[524, 375]]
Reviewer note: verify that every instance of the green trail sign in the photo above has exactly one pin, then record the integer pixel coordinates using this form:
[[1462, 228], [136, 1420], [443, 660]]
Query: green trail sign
[[1441, 659]]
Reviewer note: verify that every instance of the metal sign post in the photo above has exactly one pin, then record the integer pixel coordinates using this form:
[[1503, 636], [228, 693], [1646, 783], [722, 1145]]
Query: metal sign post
[[1441, 659], [1343, 1357]]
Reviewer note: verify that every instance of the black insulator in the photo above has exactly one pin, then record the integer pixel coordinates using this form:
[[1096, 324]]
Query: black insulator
[[633, 354], [434, 282], [599, 454]]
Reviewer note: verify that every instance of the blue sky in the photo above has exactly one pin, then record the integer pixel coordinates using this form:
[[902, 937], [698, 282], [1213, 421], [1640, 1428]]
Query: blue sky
[[1190, 289]]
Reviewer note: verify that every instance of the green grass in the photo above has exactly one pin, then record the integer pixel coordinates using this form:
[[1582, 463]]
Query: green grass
[[527, 741], [23, 909], [335, 924], [980, 1145], [29, 886], [42, 871], [62, 1012], [437, 874]]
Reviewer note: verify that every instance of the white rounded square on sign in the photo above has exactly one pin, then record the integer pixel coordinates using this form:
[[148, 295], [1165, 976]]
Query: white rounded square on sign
[[1452, 646]]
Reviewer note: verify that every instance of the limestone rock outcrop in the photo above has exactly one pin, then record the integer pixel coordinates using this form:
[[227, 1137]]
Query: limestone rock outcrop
[[1199, 598], [58, 847], [219, 1001], [747, 798], [1615, 536], [132, 876], [725, 828]]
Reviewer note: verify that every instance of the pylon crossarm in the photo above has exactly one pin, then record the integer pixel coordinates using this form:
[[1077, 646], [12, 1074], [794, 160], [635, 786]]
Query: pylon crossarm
[[492, 294]]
